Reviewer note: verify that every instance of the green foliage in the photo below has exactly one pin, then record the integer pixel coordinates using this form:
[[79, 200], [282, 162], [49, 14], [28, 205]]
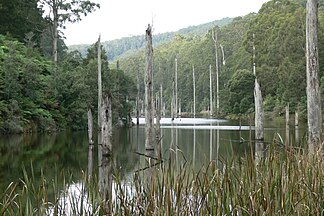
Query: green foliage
[[46, 41], [116, 83], [200, 52], [24, 75], [69, 11], [241, 87], [37, 95], [128, 45], [19, 17], [279, 30]]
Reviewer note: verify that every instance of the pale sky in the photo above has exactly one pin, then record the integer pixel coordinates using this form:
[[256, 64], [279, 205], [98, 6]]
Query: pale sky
[[123, 18]]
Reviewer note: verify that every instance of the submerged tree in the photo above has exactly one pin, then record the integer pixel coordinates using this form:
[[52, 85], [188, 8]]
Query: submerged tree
[[149, 90], [314, 115], [62, 11]]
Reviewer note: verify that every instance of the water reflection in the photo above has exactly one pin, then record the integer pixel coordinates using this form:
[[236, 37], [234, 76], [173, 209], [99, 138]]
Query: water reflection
[[90, 161], [197, 142], [105, 181], [259, 151]]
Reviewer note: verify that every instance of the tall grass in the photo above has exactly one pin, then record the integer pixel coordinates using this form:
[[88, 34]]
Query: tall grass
[[284, 183]]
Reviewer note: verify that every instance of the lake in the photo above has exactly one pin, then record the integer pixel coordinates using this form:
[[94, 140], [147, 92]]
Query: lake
[[198, 141]]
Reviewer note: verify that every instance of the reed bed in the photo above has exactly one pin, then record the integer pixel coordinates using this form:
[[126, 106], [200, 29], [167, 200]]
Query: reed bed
[[283, 183]]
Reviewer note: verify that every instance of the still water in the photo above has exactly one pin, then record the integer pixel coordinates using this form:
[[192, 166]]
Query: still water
[[197, 141]]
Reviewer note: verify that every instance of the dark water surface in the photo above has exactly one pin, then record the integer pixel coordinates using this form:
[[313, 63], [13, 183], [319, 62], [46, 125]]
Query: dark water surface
[[197, 143]]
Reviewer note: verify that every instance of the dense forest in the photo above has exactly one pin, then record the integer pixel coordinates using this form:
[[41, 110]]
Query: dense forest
[[39, 94], [279, 29]]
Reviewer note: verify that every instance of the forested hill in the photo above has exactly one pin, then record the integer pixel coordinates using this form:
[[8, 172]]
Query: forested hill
[[279, 29], [117, 48]]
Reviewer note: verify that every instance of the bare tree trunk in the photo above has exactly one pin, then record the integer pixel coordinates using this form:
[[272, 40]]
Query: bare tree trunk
[[259, 115], [173, 109], [179, 113], [55, 32], [104, 142], [138, 99], [99, 85], [287, 127], [149, 91], [176, 87], [90, 125], [106, 126], [210, 91], [194, 90], [158, 126], [161, 100], [297, 116], [90, 152], [217, 72], [223, 54], [314, 115]]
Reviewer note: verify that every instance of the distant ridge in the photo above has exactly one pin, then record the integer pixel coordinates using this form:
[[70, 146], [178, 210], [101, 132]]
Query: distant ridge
[[118, 47]]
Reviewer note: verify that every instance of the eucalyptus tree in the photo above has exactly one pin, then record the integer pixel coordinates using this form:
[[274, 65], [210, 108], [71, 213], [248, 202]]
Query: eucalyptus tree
[[63, 11], [314, 115]]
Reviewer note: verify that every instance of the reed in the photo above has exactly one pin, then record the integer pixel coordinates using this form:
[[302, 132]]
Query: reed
[[284, 183]]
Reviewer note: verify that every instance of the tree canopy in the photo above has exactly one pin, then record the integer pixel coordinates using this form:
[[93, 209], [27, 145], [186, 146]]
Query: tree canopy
[[279, 30]]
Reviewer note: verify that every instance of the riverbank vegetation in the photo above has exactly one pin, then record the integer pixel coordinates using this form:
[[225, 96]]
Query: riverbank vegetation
[[285, 183], [38, 95]]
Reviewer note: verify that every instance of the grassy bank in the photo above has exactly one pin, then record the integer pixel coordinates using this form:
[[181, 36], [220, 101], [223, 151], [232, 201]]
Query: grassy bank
[[284, 183]]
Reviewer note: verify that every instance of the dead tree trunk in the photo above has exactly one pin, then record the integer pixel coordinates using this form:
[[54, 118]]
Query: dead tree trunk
[[259, 114], [55, 32], [217, 72], [176, 87], [287, 127], [259, 119], [90, 125], [179, 112], [149, 91], [173, 101], [314, 115], [99, 85], [106, 126], [210, 90], [138, 97], [223, 54], [296, 126], [194, 90], [161, 100], [297, 116], [158, 126], [90, 133]]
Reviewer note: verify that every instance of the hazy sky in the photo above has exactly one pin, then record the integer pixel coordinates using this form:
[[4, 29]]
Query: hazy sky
[[122, 18]]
